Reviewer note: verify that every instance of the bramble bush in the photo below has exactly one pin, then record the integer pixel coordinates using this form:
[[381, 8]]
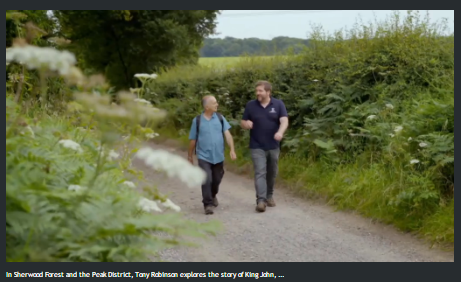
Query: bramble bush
[[371, 117], [71, 192]]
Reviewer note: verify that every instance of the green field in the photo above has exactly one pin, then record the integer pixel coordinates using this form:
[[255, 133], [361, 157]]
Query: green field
[[225, 61]]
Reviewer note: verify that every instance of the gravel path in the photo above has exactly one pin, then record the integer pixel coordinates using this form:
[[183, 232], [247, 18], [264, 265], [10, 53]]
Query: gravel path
[[294, 231]]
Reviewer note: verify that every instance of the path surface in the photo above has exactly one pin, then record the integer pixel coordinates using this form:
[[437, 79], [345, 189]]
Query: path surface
[[294, 231]]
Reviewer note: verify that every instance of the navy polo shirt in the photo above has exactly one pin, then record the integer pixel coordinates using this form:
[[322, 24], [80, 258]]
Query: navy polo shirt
[[266, 122]]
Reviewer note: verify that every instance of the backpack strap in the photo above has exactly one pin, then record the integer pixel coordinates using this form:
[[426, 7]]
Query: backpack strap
[[221, 119], [197, 123]]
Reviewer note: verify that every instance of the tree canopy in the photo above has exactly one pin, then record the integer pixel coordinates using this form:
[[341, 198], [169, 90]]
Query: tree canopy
[[121, 43]]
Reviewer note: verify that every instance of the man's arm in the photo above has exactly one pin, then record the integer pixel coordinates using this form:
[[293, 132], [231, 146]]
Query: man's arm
[[228, 135], [283, 125], [246, 117], [229, 140], [192, 142], [283, 119]]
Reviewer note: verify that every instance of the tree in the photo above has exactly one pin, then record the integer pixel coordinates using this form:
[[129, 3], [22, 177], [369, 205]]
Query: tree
[[121, 43]]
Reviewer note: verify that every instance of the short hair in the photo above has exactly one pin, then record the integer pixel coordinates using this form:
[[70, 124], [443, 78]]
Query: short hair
[[267, 85], [205, 100]]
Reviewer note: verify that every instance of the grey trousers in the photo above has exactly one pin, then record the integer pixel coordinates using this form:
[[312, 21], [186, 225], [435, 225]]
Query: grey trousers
[[265, 165]]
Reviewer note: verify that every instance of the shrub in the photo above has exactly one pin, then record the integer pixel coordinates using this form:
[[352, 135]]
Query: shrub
[[71, 192]]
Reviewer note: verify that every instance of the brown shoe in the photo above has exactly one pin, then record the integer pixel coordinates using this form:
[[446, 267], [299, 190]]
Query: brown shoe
[[261, 207], [215, 202], [270, 202], [209, 210]]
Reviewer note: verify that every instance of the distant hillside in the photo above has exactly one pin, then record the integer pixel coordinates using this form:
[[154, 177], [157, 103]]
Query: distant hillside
[[232, 47]]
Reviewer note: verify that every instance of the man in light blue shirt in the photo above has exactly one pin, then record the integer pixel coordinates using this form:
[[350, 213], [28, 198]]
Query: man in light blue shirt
[[207, 140]]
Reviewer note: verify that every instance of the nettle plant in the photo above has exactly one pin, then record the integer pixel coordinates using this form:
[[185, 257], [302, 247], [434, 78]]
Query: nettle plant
[[71, 191]]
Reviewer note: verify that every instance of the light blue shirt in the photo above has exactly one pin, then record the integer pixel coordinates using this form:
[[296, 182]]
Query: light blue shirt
[[210, 146]]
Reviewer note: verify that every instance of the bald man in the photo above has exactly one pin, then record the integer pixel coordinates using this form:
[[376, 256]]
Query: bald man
[[208, 143]]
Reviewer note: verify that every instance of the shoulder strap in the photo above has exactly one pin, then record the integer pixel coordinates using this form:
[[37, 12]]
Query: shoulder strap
[[221, 120]]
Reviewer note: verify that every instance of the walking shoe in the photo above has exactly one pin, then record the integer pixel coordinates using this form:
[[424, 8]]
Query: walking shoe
[[270, 202], [261, 207], [215, 201], [209, 210]]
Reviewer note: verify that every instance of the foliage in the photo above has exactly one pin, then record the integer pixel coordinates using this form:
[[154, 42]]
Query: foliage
[[371, 115], [71, 192], [121, 43]]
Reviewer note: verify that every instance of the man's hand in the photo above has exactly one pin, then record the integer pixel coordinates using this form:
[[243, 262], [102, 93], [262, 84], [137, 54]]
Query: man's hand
[[278, 136], [249, 124], [233, 155], [190, 159]]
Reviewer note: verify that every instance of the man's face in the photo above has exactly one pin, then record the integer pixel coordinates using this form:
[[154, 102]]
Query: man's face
[[262, 94], [212, 104]]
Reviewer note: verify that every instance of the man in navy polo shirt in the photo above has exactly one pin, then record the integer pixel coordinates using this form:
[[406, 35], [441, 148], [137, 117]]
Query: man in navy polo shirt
[[209, 145], [267, 120]]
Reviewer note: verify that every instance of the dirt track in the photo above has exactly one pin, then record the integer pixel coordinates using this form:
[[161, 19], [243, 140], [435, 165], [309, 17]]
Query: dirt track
[[294, 231]]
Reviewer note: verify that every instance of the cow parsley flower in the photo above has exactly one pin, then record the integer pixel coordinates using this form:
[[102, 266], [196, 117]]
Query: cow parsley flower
[[145, 76], [173, 166], [414, 161], [170, 205], [151, 135], [371, 117], [75, 188], [148, 205], [398, 129], [390, 106], [422, 145], [130, 184], [71, 145], [34, 57], [142, 101]]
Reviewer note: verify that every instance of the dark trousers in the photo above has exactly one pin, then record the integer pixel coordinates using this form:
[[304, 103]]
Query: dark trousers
[[210, 188]]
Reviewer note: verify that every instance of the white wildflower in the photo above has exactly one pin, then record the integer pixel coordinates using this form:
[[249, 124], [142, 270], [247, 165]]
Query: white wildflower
[[391, 135], [29, 129], [414, 161], [142, 101], [398, 129], [371, 117], [71, 145], [173, 165], [75, 188], [148, 205], [390, 106], [170, 205], [151, 135], [145, 76], [42, 57], [130, 184], [409, 139], [315, 80], [422, 145], [112, 155]]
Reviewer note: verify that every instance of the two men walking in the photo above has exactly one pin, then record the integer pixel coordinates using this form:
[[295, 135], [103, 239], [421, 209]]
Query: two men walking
[[267, 120]]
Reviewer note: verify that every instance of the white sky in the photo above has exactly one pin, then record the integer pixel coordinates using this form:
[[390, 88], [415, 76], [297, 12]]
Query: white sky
[[267, 24]]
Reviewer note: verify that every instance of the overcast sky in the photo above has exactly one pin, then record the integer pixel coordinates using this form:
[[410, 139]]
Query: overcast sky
[[267, 24]]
